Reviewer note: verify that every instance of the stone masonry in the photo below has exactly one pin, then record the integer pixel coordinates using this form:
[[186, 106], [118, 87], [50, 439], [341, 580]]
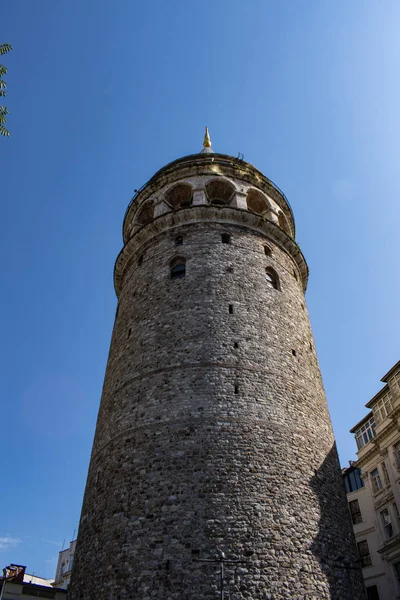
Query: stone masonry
[[213, 434]]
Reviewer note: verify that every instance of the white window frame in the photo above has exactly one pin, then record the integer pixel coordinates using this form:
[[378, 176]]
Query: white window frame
[[383, 408], [366, 433], [385, 474], [394, 382], [387, 523], [364, 556], [396, 449], [376, 481]]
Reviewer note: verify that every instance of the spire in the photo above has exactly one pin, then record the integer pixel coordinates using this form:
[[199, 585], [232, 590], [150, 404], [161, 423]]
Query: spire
[[207, 139], [207, 143]]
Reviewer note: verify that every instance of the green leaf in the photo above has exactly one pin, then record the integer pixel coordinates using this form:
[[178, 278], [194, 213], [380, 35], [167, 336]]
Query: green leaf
[[4, 48]]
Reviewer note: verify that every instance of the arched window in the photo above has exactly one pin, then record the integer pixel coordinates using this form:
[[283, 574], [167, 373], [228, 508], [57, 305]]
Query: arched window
[[282, 222], [271, 278], [257, 202], [219, 191], [145, 214], [177, 268], [179, 196]]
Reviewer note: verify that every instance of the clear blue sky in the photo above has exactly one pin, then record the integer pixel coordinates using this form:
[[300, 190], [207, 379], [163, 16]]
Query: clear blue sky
[[101, 95]]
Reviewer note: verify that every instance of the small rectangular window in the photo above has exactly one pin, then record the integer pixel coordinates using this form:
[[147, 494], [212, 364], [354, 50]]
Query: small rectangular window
[[355, 512], [364, 554], [376, 481], [372, 593], [231, 309], [397, 454], [385, 474], [387, 523]]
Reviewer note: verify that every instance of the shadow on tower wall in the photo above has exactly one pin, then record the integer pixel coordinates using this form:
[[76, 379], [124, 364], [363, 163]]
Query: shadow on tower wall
[[335, 545]]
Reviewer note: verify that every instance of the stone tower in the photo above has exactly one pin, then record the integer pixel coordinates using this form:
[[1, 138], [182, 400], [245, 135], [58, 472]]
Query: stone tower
[[213, 446]]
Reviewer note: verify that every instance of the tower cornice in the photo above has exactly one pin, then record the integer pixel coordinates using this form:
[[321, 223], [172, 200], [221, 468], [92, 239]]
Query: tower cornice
[[208, 214], [207, 164]]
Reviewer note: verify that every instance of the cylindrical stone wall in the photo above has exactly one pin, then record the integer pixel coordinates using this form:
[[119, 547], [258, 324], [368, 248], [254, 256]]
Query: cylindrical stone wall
[[213, 434]]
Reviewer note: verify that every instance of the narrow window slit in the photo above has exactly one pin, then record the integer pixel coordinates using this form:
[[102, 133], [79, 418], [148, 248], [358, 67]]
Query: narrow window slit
[[225, 238], [129, 332], [177, 268], [271, 278], [236, 389], [231, 309], [294, 352], [236, 345]]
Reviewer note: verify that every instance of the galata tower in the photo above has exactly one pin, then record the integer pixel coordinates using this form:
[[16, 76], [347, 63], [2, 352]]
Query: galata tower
[[214, 472]]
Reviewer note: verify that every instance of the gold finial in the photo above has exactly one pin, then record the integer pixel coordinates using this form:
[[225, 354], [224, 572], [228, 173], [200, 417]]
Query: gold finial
[[207, 139]]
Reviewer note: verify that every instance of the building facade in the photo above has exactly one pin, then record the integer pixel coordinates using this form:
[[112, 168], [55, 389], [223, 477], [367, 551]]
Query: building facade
[[64, 566], [214, 468], [374, 506]]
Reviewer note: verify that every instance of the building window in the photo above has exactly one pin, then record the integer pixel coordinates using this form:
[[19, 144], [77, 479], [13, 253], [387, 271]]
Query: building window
[[397, 454], [257, 202], [396, 511], [267, 251], [271, 278], [395, 381], [383, 408], [178, 240], [396, 567], [387, 523], [352, 479], [366, 433], [282, 222], [145, 214], [178, 268], [355, 512], [363, 551], [225, 238], [372, 592], [376, 481], [179, 196], [219, 191], [385, 474]]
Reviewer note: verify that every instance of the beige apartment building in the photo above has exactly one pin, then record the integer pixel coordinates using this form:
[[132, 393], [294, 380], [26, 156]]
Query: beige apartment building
[[64, 566], [374, 500]]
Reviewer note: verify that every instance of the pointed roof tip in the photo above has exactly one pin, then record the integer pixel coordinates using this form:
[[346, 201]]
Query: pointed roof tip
[[207, 139], [207, 143]]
